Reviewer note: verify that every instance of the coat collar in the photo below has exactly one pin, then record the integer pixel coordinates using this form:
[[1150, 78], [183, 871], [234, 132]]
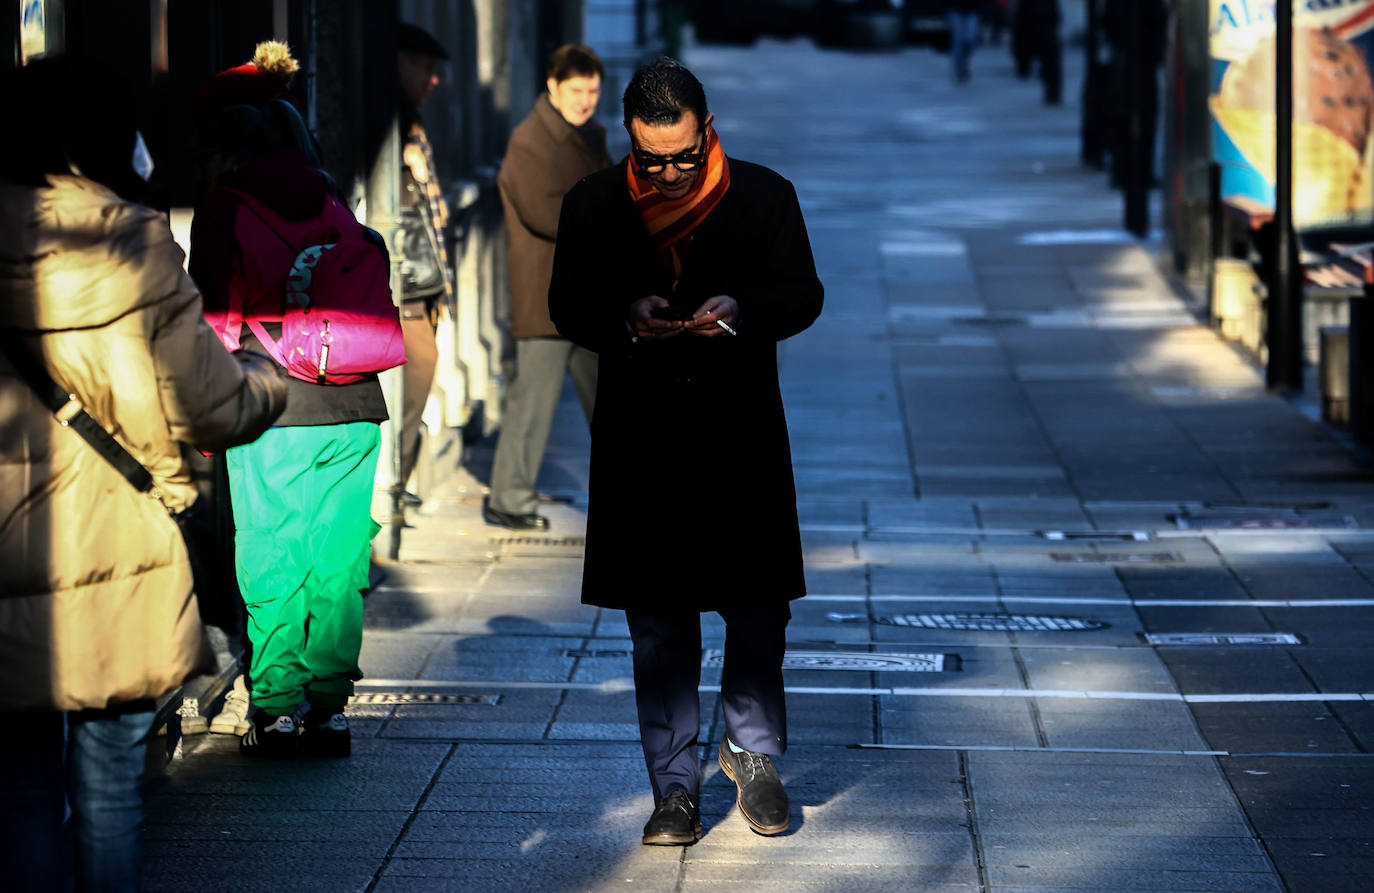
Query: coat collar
[[558, 127]]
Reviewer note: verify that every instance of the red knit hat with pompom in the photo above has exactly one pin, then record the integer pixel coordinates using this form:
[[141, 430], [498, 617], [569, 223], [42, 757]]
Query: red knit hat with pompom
[[254, 83]]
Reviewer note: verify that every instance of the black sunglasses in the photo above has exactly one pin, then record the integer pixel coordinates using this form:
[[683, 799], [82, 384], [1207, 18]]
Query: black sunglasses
[[683, 161]]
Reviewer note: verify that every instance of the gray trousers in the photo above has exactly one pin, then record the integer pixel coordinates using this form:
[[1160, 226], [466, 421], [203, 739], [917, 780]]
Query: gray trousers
[[667, 668], [528, 417]]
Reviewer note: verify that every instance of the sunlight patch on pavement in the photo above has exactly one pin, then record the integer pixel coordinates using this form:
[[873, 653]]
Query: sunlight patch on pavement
[[1086, 237]]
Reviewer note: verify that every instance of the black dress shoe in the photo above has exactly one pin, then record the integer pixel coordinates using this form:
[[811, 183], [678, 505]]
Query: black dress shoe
[[513, 521], [675, 822], [761, 800]]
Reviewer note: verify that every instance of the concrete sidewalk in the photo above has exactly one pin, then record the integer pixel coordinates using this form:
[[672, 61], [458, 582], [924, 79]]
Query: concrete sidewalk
[[1018, 455]]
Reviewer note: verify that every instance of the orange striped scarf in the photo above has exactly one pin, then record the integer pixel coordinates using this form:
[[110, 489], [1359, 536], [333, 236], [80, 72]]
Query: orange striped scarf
[[670, 220]]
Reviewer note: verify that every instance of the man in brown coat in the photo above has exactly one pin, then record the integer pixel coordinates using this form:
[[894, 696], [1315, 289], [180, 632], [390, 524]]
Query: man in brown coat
[[554, 147]]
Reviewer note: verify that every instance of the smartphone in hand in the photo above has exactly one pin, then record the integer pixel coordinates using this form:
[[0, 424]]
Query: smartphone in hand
[[673, 312]]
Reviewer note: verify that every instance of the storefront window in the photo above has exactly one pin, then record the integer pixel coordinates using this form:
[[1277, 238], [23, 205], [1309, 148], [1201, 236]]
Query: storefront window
[[40, 28]]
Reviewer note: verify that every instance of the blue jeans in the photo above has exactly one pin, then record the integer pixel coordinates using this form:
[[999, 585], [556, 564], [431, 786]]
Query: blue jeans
[[964, 30], [93, 762]]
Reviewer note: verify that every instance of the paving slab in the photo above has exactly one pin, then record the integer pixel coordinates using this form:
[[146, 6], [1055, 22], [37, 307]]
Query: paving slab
[[995, 360]]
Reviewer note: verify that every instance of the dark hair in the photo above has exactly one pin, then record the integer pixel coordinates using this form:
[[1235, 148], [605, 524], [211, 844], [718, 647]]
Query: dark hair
[[572, 60], [244, 132], [661, 91], [78, 117]]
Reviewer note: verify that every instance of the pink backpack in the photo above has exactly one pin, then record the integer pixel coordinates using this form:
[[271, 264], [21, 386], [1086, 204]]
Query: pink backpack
[[339, 324]]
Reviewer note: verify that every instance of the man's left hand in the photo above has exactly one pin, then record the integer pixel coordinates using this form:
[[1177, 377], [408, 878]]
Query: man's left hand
[[706, 322]]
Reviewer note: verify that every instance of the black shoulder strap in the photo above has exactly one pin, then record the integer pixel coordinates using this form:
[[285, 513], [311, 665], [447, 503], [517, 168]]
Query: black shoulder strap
[[70, 414]]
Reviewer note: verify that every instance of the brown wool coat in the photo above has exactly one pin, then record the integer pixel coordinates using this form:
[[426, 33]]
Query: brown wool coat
[[96, 605], [544, 159]]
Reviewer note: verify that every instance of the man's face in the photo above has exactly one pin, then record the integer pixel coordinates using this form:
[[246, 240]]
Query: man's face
[[575, 98], [418, 74], [665, 140]]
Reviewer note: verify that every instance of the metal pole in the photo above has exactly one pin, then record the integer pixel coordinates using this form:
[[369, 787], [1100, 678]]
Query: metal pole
[[1090, 136], [1284, 370], [9, 32], [383, 207], [1137, 174]]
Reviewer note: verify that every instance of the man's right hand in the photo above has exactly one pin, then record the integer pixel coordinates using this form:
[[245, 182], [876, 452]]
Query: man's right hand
[[646, 326]]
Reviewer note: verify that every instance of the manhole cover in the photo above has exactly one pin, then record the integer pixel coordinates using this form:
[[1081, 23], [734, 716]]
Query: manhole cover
[[538, 540], [597, 652], [423, 698], [889, 662], [980, 622], [1222, 639], [1115, 557], [1136, 536]]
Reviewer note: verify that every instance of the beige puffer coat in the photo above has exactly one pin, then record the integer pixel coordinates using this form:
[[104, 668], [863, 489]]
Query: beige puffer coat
[[96, 605]]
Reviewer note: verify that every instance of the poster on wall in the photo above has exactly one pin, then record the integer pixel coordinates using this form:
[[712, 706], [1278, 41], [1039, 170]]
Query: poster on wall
[[1333, 96], [33, 30], [40, 28]]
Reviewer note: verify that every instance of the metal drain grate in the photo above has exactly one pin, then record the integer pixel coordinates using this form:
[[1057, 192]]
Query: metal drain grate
[[1261, 505], [1260, 521], [1115, 557], [1014, 623], [1222, 639], [990, 321], [1091, 536], [551, 541], [597, 652], [867, 661], [423, 698]]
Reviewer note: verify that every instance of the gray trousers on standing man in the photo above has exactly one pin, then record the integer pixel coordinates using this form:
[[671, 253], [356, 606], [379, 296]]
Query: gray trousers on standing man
[[528, 417]]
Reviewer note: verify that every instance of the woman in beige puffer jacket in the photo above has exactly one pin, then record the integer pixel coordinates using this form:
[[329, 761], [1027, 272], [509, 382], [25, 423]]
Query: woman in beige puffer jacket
[[97, 614], [97, 606]]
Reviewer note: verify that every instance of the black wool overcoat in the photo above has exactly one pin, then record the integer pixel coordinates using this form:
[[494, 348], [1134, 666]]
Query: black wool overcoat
[[692, 501]]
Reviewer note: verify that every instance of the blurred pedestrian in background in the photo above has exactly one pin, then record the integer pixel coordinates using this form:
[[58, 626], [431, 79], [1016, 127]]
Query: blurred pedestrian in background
[[426, 278], [556, 145], [683, 269], [995, 16], [1035, 39], [965, 30], [302, 493], [1134, 42], [97, 617]]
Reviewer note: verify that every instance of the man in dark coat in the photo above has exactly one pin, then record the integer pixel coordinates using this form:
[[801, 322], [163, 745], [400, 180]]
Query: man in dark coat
[[1035, 35], [683, 269], [555, 146]]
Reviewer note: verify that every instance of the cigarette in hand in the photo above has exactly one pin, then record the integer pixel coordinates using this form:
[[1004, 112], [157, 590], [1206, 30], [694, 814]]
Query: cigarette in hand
[[726, 326]]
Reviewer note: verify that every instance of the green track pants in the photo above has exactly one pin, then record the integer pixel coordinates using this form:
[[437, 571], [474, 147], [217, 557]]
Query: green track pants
[[302, 501]]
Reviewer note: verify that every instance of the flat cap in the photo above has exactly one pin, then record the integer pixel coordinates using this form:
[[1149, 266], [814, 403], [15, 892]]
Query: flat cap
[[413, 39]]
